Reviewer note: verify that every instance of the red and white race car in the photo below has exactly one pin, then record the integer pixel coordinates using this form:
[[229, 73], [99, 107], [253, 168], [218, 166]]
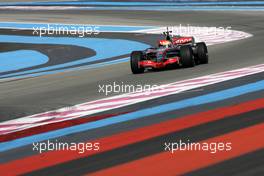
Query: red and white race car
[[172, 51]]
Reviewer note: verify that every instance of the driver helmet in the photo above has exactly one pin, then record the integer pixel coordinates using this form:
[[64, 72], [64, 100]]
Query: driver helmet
[[165, 43]]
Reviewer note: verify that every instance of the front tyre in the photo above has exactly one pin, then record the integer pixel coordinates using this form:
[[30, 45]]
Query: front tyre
[[202, 53], [186, 55], [135, 58]]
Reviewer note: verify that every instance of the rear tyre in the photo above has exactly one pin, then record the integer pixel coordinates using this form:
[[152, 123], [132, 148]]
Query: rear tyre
[[186, 55], [135, 58], [202, 53]]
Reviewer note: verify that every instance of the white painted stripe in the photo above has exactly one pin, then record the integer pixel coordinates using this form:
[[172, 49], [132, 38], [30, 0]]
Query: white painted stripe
[[209, 37], [177, 87]]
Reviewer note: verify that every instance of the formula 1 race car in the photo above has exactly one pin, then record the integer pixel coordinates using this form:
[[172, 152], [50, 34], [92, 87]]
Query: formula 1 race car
[[172, 51]]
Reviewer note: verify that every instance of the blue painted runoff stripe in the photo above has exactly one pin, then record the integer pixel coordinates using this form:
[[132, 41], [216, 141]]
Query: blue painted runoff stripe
[[98, 65], [158, 6], [148, 112], [76, 27], [181, 8], [120, 3], [15, 60], [104, 48]]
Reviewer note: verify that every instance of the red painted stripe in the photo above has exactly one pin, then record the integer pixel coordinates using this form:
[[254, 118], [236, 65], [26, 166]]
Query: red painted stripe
[[53, 126], [47, 159], [167, 164]]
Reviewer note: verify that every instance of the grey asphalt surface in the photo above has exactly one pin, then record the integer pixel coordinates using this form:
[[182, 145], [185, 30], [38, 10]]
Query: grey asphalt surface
[[33, 95], [239, 166]]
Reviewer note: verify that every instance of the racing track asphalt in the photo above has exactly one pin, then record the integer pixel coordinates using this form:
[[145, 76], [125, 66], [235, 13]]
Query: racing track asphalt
[[41, 94], [44, 93]]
